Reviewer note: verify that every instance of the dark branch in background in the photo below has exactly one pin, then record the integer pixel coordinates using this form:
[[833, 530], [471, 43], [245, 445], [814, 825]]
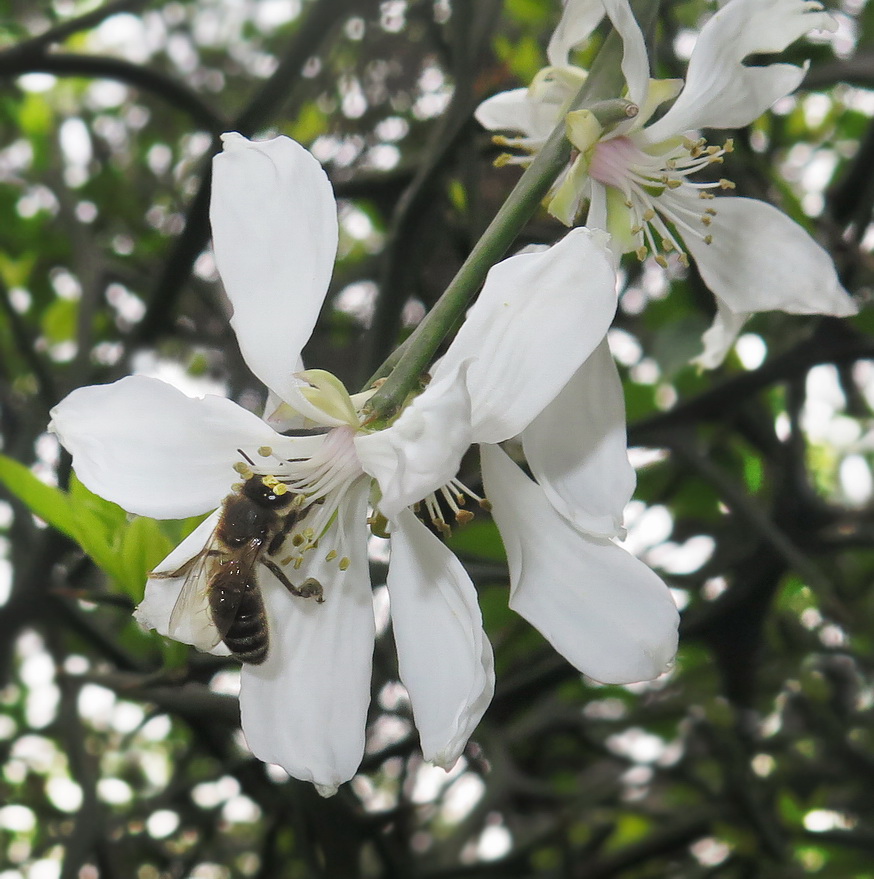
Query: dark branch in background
[[320, 21], [65, 29], [470, 31], [833, 342], [25, 344], [173, 91], [33, 56], [858, 70]]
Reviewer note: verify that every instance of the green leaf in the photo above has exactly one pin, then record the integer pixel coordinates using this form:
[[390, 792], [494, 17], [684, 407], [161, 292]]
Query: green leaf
[[49, 503], [478, 540], [143, 544], [59, 320]]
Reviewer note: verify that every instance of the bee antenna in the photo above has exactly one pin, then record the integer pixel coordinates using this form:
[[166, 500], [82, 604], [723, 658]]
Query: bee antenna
[[246, 457]]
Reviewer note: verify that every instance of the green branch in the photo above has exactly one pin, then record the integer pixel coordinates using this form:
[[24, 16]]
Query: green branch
[[408, 362]]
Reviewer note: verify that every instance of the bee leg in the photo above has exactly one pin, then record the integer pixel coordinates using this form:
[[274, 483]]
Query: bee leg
[[310, 588]]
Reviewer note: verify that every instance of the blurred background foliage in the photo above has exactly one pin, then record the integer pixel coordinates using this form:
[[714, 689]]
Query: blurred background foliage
[[120, 752]]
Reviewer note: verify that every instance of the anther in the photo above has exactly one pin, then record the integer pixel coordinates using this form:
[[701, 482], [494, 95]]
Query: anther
[[673, 184], [641, 253], [331, 555], [648, 215], [708, 239], [706, 220], [237, 486], [344, 563], [486, 505], [728, 146], [463, 517], [660, 259], [265, 451], [243, 469], [726, 184]]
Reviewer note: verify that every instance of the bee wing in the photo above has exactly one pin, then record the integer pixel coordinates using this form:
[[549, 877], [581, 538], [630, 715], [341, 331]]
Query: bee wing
[[190, 620]]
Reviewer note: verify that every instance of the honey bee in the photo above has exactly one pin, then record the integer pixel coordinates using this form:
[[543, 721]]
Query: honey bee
[[220, 598]]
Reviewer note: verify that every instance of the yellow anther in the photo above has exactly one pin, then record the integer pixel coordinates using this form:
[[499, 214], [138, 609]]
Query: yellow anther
[[726, 184], [269, 481], [629, 203], [463, 517], [636, 230], [503, 158], [286, 561], [712, 150], [648, 215], [667, 246], [486, 505], [708, 239], [237, 486], [673, 183], [265, 451], [672, 164], [309, 533], [660, 259], [344, 563], [280, 488], [706, 220], [298, 562], [706, 195], [710, 212], [728, 146], [299, 500], [297, 539], [243, 469], [683, 259], [715, 160], [331, 555], [641, 253]]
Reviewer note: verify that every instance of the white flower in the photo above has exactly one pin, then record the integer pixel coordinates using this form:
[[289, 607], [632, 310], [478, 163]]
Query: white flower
[[635, 176], [516, 367]]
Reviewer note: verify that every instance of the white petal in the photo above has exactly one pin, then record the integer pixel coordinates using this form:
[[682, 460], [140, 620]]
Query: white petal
[[144, 445], [274, 225], [721, 91], [578, 20], [444, 658], [635, 61], [422, 450], [719, 338], [604, 610], [515, 110], [538, 317], [305, 707], [760, 260], [162, 593], [577, 451]]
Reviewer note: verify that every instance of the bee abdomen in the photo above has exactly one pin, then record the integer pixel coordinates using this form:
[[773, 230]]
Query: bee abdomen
[[248, 637]]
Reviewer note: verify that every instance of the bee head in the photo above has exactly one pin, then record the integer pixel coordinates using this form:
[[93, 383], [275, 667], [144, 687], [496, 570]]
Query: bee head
[[267, 491]]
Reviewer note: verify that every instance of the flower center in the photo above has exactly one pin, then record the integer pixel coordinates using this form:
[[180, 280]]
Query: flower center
[[657, 191], [320, 483]]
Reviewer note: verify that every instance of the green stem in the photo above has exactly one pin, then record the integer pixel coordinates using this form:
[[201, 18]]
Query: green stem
[[409, 361]]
